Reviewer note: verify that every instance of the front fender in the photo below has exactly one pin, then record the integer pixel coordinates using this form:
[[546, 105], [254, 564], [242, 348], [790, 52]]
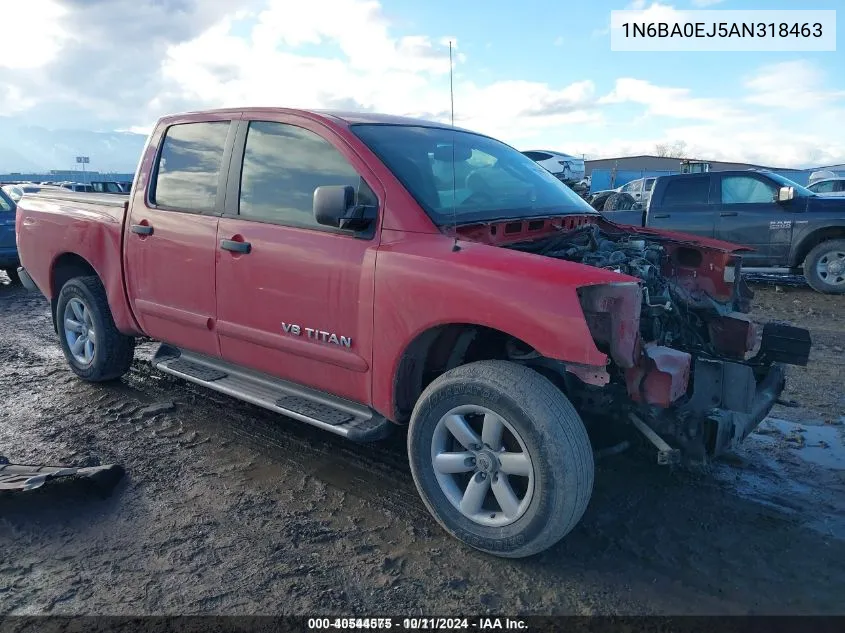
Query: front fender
[[421, 283]]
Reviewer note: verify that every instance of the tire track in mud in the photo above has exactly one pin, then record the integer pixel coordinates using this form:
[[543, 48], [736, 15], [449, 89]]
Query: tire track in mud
[[230, 508]]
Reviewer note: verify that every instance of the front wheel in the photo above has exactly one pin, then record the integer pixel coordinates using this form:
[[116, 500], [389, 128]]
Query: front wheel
[[824, 267], [94, 348], [500, 458]]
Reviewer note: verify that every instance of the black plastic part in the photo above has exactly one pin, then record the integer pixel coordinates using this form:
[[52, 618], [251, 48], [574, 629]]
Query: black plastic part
[[235, 246], [208, 374], [314, 410], [722, 385], [26, 280], [141, 229], [785, 344]]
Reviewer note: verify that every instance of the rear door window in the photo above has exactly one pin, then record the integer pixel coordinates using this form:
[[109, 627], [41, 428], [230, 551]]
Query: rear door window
[[188, 170], [687, 191]]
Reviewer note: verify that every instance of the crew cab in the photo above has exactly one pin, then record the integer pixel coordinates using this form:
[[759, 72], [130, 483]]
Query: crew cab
[[790, 229], [333, 268]]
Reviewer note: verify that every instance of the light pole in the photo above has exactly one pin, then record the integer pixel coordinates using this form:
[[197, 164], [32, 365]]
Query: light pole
[[83, 160]]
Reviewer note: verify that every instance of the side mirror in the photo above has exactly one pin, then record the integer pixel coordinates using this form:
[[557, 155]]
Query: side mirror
[[331, 204], [334, 205], [785, 194]]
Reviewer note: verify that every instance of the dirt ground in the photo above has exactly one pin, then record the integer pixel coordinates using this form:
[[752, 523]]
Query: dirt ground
[[227, 508]]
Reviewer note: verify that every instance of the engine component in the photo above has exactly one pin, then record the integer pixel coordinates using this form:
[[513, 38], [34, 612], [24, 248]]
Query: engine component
[[670, 312]]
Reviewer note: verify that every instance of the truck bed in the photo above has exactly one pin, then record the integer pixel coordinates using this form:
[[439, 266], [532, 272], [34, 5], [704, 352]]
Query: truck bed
[[60, 232], [105, 199]]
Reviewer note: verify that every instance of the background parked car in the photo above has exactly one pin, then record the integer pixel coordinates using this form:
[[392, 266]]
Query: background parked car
[[107, 186], [829, 187], [8, 247], [75, 186], [569, 169], [15, 192]]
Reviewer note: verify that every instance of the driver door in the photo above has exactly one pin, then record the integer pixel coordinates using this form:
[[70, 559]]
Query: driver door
[[749, 215], [296, 300]]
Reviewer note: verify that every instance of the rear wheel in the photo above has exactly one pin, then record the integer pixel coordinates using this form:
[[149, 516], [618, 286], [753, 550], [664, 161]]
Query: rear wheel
[[93, 346], [824, 267], [500, 458]]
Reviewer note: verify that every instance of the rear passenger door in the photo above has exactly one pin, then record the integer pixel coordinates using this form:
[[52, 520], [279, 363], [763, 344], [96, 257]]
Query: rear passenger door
[[749, 215], [685, 206], [171, 236], [297, 303]]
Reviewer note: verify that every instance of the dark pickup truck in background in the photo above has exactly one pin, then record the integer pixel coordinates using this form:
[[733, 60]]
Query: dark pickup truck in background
[[791, 229]]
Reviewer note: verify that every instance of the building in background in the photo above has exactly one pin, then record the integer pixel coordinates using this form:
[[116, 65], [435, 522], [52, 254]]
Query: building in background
[[609, 173], [64, 175]]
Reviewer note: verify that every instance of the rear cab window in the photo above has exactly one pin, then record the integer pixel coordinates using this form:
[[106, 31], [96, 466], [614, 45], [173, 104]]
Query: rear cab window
[[187, 173]]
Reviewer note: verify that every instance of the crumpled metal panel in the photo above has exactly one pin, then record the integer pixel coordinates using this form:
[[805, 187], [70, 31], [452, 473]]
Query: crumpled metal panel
[[661, 378], [612, 312], [733, 334]]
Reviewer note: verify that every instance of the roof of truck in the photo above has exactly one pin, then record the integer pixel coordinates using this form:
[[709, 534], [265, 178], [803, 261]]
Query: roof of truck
[[343, 116]]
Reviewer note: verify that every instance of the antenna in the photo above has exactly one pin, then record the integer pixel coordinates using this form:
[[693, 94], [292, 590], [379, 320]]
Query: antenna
[[455, 246]]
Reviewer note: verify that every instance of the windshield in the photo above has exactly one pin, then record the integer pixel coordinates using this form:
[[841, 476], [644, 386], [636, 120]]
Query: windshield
[[490, 180], [800, 190]]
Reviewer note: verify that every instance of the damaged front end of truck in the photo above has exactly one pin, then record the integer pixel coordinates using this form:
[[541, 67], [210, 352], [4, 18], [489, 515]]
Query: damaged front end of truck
[[686, 364]]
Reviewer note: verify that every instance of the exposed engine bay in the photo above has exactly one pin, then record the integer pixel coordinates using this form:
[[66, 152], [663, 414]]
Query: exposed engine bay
[[672, 313], [685, 361]]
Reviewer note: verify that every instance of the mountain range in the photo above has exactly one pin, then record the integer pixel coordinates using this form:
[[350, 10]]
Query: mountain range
[[27, 148]]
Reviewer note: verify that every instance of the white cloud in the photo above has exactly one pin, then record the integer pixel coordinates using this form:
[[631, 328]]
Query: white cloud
[[32, 33], [347, 54], [675, 103], [793, 85], [401, 75]]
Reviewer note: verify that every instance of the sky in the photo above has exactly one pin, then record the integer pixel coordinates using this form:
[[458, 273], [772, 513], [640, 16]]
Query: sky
[[536, 74]]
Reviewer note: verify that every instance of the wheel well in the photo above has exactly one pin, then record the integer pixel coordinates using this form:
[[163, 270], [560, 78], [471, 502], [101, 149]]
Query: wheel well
[[445, 347], [816, 238], [65, 268]]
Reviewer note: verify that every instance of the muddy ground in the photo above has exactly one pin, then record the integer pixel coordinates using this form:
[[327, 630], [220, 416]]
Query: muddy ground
[[227, 508]]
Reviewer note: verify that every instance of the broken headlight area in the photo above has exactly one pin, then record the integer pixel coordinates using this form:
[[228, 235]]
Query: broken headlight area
[[682, 351]]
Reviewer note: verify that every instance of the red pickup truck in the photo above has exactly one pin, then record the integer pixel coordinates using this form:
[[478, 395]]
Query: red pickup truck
[[360, 272]]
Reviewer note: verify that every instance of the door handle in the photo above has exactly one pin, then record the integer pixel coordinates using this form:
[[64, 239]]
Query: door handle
[[235, 246], [662, 215], [728, 214], [142, 229]]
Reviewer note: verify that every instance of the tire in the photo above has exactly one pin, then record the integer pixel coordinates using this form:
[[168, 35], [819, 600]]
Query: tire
[[824, 267], [619, 202], [13, 275], [598, 201], [548, 430], [111, 352]]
